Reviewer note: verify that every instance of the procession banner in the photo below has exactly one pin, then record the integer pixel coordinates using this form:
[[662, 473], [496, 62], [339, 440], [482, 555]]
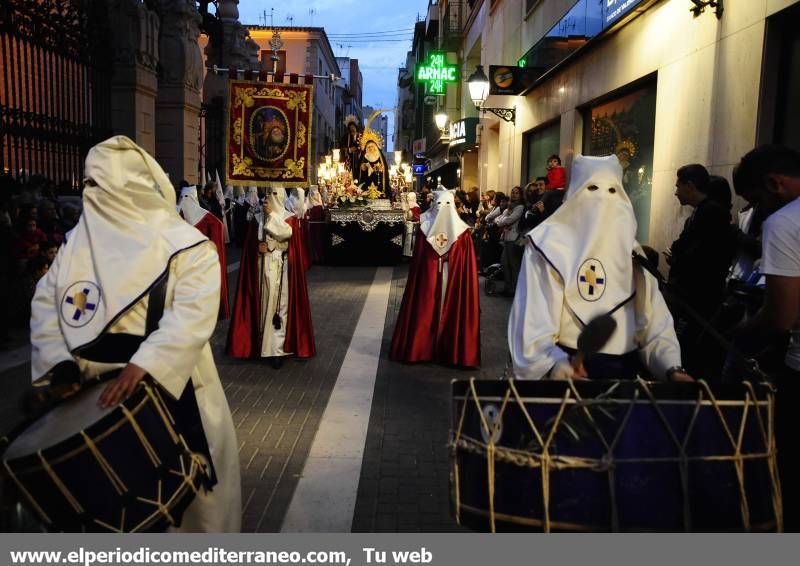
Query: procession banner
[[269, 134]]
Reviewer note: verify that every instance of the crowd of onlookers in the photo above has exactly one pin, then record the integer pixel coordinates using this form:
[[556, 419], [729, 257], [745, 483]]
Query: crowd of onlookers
[[33, 222], [500, 221]]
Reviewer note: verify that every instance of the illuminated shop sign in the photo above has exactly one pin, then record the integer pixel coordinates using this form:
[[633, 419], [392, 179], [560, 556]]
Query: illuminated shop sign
[[436, 73]]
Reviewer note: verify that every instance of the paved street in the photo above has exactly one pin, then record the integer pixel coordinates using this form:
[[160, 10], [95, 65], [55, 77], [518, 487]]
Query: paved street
[[401, 483]]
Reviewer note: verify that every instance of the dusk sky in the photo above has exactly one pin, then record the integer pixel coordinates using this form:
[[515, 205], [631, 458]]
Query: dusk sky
[[346, 22]]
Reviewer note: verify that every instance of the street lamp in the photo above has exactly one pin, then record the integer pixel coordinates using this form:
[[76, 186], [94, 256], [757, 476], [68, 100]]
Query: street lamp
[[478, 84]]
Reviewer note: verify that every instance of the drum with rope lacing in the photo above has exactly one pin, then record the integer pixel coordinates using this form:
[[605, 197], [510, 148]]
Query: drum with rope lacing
[[613, 456]]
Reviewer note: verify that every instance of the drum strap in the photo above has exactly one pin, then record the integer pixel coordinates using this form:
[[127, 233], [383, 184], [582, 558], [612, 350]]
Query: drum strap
[[185, 409]]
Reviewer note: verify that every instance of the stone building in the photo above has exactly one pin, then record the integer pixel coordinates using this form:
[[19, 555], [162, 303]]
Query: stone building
[[82, 70], [651, 81], [351, 92], [306, 50]]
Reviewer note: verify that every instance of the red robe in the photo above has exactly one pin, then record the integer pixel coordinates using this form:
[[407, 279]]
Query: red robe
[[420, 334], [317, 233], [244, 334], [415, 214], [305, 253], [214, 230]]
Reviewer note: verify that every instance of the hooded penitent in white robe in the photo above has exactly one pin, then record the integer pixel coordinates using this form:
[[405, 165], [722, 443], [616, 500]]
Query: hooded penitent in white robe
[[411, 209], [577, 265], [275, 276], [129, 236]]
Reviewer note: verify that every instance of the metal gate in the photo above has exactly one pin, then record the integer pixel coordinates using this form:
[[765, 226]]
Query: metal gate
[[55, 86]]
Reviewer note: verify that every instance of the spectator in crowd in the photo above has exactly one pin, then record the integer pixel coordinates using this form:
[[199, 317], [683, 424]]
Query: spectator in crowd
[[556, 174], [511, 257], [69, 218], [539, 211], [487, 204], [426, 197], [49, 251], [748, 236], [719, 190], [35, 269], [474, 202], [48, 221], [699, 261], [462, 207], [30, 236], [770, 176], [491, 248]]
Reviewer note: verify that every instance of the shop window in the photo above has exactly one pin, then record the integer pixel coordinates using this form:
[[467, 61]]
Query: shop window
[[779, 120], [540, 144], [625, 125]]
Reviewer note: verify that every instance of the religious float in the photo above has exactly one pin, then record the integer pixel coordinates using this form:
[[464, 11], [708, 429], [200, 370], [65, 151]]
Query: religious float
[[366, 222]]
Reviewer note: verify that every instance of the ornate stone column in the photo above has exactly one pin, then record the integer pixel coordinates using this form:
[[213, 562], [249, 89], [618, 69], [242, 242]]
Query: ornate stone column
[[134, 82], [229, 45], [179, 80]]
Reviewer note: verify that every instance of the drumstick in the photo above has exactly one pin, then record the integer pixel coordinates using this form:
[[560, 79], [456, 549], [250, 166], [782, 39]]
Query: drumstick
[[593, 337]]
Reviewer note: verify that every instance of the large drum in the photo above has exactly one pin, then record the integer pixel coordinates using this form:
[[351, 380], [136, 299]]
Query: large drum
[[124, 469], [613, 456]]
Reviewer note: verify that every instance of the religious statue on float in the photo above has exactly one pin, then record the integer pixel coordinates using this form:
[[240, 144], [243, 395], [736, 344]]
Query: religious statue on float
[[373, 173], [349, 148]]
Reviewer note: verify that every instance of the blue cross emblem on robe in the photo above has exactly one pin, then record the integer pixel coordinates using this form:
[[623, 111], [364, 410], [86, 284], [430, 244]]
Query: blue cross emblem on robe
[[591, 280], [81, 303]]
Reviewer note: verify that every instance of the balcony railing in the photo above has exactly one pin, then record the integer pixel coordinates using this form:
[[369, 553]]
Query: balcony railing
[[452, 24]]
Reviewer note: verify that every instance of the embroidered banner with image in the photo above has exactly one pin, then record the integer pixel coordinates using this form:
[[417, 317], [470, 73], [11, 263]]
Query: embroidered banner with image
[[269, 134]]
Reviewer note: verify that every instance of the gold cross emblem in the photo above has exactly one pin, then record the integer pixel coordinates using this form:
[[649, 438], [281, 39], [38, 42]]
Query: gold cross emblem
[[79, 301], [591, 277], [441, 240]]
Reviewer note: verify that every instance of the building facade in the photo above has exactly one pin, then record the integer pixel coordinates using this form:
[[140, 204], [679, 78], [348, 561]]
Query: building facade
[[306, 51], [650, 81], [79, 72], [352, 93]]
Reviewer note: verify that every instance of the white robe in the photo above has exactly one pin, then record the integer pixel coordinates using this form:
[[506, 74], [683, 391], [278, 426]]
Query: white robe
[[540, 320], [178, 350], [276, 234]]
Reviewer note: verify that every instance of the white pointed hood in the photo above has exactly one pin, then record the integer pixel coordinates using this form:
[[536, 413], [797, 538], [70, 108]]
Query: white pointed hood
[[296, 203], [277, 200], [252, 196], [590, 238], [447, 226], [411, 199], [314, 197], [427, 217], [123, 243], [190, 207]]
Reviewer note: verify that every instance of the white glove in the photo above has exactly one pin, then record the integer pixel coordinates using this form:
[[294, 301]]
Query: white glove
[[562, 370]]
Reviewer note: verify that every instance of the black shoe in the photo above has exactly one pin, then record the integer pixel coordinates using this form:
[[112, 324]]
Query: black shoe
[[276, 362]]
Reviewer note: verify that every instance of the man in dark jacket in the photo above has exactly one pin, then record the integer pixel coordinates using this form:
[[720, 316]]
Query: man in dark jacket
[[699, 260]]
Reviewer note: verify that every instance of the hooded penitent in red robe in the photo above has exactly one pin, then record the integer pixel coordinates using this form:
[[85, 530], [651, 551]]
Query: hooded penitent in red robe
[[436, 325], [214, 230], [246, 332]]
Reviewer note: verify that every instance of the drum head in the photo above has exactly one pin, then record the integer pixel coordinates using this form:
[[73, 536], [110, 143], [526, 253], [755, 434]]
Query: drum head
[[65, 420]]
